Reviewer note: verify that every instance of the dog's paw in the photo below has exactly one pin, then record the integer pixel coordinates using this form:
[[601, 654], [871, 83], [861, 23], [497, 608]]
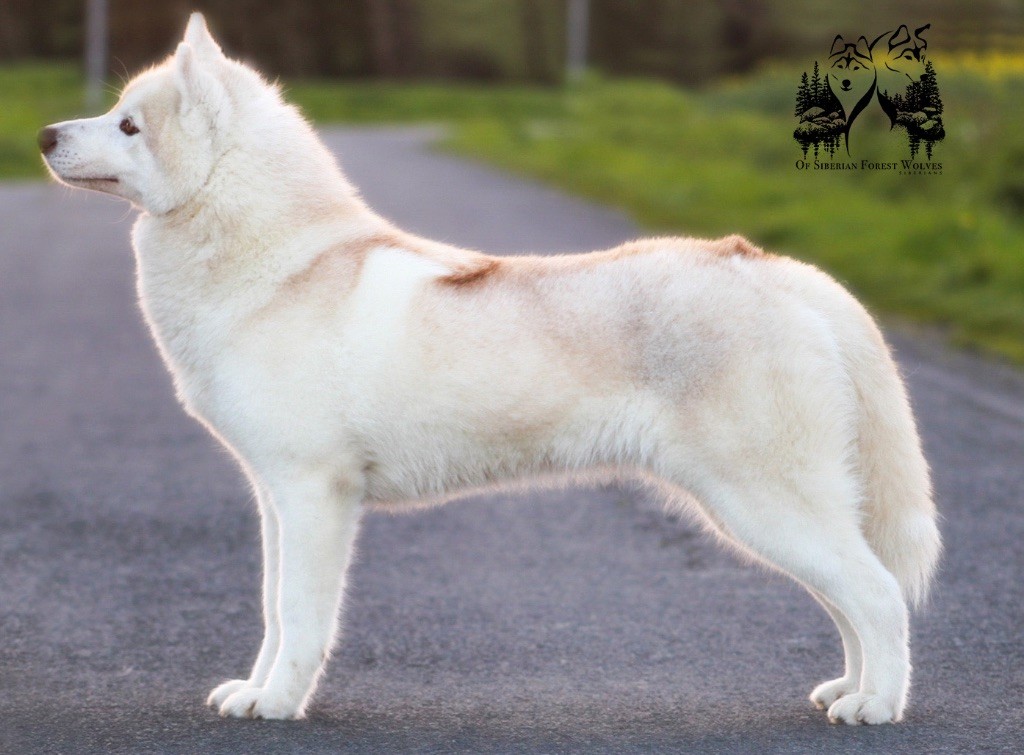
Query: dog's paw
[[859, 708], [222, 692], [827, 693], [259, 702]]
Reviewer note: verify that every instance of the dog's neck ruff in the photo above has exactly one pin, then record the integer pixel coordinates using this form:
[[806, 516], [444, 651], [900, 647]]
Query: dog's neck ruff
[[194, 201]]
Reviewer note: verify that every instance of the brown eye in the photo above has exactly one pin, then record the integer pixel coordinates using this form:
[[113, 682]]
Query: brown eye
[[128, 127]]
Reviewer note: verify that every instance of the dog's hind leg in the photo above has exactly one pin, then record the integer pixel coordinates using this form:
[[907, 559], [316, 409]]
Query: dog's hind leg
[[827, 693], [813, 534], [269, 536], [318, 516]]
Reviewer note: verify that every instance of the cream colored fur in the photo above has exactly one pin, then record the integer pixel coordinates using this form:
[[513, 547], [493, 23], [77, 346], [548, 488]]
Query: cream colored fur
[[348, 364]]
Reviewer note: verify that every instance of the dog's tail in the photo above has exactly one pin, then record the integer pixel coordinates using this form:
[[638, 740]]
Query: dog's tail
[[900, 520]]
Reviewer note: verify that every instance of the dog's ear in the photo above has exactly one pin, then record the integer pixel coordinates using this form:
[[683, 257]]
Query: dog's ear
[[198, 87], [863, 48], [899, 37], [922, 42], [838, 45], [198, 37]]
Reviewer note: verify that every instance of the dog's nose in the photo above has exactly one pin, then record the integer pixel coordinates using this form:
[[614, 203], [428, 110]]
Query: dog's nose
[[846, 83], [47, 139]]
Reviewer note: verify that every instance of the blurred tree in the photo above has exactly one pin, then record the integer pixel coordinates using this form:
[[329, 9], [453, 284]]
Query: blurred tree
[[688, 42], [382, 37], [41, 28], [745, 34], [393, 27], [500, 39], [535, 52]]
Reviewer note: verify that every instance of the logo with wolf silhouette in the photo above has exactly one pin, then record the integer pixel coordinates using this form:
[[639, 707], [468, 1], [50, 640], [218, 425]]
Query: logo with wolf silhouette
[[892, 70]]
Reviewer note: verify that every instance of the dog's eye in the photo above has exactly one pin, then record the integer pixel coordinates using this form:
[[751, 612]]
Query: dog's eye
[[128, 127]]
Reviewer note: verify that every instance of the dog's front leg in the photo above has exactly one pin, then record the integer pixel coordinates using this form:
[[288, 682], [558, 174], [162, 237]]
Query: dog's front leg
[[317, 519], [270, 537]]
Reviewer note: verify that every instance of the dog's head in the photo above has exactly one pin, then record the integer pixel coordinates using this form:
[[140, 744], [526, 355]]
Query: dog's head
[[901, 57], [850, 72], [158, 146]]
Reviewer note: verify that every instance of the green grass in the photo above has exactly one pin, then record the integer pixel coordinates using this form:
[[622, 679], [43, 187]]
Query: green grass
[[334, 102], [32, 95], [946, 250]]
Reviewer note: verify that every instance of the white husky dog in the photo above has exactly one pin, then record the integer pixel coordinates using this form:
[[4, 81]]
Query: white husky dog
[[348, 364]]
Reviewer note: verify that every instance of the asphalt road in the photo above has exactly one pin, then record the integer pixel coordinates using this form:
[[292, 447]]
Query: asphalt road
[[578, 620]]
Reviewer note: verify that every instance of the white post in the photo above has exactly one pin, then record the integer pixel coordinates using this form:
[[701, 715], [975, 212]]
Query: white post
[[577, 30], [95, 51]]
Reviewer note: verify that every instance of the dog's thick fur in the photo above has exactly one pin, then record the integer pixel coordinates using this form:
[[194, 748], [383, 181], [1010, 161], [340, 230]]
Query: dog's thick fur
[[346, 363]]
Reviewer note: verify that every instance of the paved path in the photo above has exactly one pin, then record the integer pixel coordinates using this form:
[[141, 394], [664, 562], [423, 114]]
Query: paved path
[[582, 620]]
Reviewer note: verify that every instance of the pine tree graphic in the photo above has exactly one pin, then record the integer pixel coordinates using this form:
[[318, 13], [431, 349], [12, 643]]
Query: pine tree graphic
[[919, 112], [818, 110], [803, 96]]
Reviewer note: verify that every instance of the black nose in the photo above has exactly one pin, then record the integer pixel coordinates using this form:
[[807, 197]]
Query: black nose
[[846, 83], [47, 139]]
